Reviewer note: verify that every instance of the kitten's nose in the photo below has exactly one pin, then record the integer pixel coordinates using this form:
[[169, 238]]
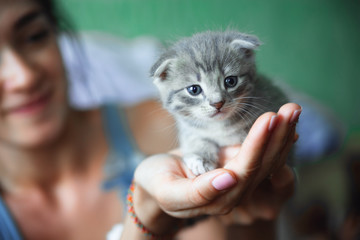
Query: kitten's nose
[[217, 105]]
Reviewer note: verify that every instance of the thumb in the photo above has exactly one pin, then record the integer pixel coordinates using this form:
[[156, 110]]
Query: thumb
[[190, 193]]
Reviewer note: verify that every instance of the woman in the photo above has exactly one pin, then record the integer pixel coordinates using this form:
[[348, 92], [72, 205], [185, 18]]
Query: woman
[[61, 169]]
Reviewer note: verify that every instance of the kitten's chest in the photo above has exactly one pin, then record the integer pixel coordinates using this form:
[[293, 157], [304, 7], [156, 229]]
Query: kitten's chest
[[220, 133]]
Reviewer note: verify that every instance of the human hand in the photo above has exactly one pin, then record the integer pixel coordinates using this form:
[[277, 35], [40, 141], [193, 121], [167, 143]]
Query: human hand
[[273, 184], [172, 189], [266, 202]]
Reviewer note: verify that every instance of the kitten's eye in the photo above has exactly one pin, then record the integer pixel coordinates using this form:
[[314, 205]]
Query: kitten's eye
[[230, 82], [194, 90]]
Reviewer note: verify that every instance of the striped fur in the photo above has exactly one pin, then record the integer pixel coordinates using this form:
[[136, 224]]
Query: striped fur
[[221, 114]]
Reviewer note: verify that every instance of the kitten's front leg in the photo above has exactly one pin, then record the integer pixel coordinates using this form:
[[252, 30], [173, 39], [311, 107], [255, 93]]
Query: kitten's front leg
[[201, 156]]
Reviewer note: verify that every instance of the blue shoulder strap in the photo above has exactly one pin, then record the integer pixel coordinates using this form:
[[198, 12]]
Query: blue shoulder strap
[[123, 155], [119, 169], [8, 228]]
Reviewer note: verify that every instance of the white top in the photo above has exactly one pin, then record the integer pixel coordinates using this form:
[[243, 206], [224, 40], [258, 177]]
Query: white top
[[106, 69]]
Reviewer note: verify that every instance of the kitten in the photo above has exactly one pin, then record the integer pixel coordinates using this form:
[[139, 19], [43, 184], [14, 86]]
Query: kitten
[[208, 82]]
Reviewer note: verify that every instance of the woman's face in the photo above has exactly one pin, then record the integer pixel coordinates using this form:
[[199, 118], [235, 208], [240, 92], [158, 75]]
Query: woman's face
[[33, 103]]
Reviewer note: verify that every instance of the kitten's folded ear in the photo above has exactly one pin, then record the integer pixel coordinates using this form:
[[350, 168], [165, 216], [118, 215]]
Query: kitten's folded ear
[[160, 69], [245, 44]]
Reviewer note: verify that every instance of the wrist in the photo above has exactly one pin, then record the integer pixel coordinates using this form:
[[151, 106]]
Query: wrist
[[150, 217]]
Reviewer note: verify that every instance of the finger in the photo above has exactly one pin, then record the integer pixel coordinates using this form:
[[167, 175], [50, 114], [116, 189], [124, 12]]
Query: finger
[[177, 193], [288, 114], [228, 153], [267, 201], [285, 154], [248, 161], [270, 196], [250, 154], [198, 196], [283, 135]]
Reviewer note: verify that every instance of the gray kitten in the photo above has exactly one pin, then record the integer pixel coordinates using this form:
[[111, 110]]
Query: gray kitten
[[208, 82]]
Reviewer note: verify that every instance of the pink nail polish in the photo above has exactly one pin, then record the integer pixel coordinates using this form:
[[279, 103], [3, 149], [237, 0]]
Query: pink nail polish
[[272, 123], [223, 181], [295, 116]]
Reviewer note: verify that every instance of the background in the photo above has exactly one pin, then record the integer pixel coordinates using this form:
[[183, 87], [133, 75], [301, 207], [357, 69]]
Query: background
[[312, 45]]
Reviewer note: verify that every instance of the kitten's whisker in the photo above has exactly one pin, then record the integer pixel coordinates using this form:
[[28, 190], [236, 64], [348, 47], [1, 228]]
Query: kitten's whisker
[[249, 106], [253, 97], [250, 113], [171, 130], [169, 127], [157, 110], [257, 99], [254, 106], [175, 142], [244, 117]]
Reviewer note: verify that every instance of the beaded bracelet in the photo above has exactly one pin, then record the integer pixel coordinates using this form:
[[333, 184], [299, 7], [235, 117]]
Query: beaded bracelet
[[151, 236], [136, 220]]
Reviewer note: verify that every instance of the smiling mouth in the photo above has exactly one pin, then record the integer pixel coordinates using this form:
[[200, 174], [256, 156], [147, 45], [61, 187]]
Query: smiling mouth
[[33, 106]]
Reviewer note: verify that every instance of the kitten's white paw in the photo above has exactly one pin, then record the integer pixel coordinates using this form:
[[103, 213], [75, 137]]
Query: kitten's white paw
[[197, 164]]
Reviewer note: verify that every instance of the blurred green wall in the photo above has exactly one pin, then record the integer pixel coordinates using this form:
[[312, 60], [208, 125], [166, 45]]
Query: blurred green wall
[[313, 45]]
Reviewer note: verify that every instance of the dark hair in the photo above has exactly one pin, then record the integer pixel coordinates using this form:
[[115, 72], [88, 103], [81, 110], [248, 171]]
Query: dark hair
[[56, 15], [62, 23]]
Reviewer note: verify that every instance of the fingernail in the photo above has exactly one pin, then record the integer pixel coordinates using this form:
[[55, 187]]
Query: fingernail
[[223, 181], [295, 116], [273, 122]]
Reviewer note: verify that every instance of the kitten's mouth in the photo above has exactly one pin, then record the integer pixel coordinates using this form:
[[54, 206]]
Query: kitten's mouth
[[218, 114]]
